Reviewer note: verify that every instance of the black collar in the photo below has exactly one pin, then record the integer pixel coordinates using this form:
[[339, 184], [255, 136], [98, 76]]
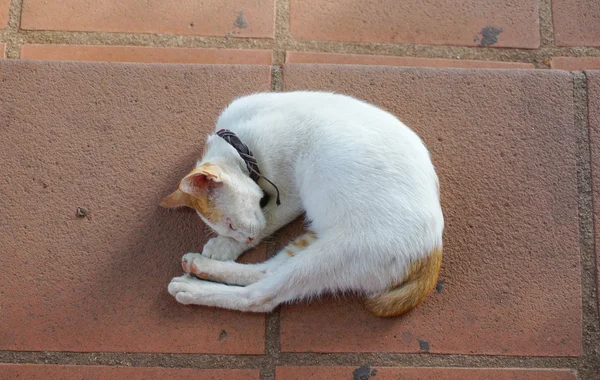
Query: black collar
[[248, 157]]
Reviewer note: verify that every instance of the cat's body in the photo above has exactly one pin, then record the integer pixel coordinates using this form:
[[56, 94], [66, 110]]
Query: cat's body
[[365, 182]]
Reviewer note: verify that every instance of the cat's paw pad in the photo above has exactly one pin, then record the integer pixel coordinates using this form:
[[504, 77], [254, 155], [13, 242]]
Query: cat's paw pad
[[183, 288], [223, 249], [196, 264]]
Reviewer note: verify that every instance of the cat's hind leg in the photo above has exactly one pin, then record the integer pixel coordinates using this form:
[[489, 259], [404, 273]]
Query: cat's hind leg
[[233, 273]]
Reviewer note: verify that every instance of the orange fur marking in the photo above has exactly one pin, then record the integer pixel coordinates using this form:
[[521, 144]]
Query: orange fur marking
[[199, 200], [202, 276], [205, 207], [421, 279], [301, 243], [176, 199]]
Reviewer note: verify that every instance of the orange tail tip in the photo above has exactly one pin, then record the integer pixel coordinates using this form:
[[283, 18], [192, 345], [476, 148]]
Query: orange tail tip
[[422, 278]]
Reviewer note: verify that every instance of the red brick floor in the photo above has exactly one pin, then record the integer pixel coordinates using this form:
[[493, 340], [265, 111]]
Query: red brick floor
[[4, 6], [70, 372], [447, 33], [245, 18], [516, 145], [575, 64], [95, 146], [446, 22], [576, 22], [146, 54], [364, 372], [382, 60], [510, 208], [97, 284]]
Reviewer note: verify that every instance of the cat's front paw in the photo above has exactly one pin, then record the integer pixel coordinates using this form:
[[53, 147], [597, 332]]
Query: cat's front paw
[[223, 249], [184, 288], [195, 263]]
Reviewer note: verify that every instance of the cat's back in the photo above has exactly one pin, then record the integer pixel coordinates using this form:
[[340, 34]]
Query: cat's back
[[330, 128], [301, 106], [321, 115]]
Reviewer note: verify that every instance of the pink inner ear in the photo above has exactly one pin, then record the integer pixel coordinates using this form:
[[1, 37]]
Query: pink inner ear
[[194, 184]]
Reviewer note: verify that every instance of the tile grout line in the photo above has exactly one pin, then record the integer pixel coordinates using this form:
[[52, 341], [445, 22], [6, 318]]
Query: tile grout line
[[272, 345], [276, 78], [262, 362], [11, 32], [281, 34], [585, 103], [282, 31], [272, 320], [546, 26], [173, 40], [283, 43], [590, 359], [386, 359], [546, 32]]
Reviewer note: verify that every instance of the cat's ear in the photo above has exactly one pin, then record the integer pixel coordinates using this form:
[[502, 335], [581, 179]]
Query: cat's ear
[[197, 182], [176, 199]]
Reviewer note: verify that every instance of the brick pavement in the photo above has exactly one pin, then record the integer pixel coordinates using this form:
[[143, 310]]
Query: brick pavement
[[518, 292]]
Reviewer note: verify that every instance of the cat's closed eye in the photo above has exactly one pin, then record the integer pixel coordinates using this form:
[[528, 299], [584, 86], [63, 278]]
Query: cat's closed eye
[[231, 227]]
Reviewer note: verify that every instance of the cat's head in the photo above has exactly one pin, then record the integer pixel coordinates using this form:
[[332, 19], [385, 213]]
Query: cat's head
[[224, 197]]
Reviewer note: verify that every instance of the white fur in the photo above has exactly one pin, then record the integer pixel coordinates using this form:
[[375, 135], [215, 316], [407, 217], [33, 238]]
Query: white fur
[[364, 180]]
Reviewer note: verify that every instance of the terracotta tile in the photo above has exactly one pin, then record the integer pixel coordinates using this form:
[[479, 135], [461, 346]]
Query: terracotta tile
[[503, 142], [146, 54], [71, 372], [4, 7], [389, 373], [114, 139], [576, 22], [593, 85], [382, 60], [244, 18], [576, 63], [512, 23]]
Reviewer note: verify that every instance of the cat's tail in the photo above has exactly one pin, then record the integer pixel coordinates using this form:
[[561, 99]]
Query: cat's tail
[[421, 279]]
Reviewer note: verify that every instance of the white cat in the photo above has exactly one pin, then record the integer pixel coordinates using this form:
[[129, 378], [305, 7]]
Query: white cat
[[364, 180]]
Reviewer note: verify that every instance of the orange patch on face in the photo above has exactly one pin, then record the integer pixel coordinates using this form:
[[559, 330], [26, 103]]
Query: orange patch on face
[[290, 252], [207, 209]]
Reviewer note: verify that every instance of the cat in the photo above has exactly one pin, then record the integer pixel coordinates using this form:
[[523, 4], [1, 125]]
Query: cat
[[364, 181]]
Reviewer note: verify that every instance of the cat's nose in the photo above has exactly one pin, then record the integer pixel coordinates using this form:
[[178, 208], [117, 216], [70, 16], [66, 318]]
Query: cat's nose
[[249, 240]]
